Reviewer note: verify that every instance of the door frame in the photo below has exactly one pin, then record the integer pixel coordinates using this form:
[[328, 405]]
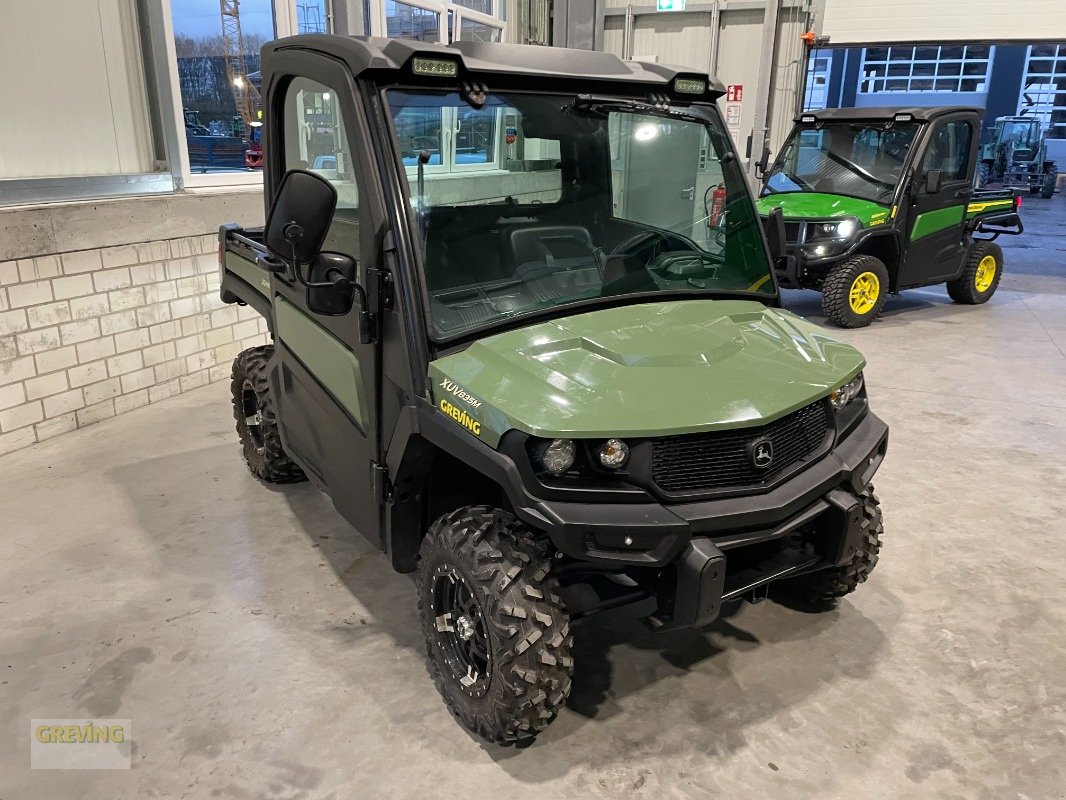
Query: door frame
[[957, 189], [348, 484]]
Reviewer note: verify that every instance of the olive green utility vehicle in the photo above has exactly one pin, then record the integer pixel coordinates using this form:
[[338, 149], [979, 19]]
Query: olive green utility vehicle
[[510, 347], [877, 200]]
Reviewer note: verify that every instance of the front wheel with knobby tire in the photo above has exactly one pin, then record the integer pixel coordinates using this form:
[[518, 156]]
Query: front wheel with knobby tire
[[830, 584], [257, 419], [497, 634], [980, 274], [854, 292]]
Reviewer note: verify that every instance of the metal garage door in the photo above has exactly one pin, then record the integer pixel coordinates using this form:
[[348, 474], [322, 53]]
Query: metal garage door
[[876, 21]]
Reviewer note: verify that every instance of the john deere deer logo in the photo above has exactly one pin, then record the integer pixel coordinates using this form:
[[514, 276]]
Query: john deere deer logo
[[762, 453]]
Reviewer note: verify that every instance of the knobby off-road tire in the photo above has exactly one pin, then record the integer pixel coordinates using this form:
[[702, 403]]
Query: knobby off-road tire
[[257, 421], [846, 292], [483, 562], [975, 285], [830, 584]]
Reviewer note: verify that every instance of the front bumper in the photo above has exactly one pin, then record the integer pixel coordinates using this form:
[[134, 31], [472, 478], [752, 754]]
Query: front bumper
[[706, 552], [597, 532]]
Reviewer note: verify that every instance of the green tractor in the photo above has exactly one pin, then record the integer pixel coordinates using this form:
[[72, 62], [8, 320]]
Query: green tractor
[[1016, 156]]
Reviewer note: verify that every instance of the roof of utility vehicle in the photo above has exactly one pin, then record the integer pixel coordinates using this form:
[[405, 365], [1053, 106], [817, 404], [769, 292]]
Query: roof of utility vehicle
[[363, 53], [919, 113]]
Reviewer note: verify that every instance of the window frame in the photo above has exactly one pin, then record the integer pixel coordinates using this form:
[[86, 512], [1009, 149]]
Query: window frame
[[457, 13], [1046, 106], [285, 24], [967, 161], [379, 25], [876, 84]]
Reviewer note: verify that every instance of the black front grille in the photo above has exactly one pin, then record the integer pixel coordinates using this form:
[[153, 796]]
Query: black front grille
[[792, 232], [701, 462]]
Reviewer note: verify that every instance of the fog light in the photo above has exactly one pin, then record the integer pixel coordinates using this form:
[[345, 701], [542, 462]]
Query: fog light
[[558, 456], [614, 453]]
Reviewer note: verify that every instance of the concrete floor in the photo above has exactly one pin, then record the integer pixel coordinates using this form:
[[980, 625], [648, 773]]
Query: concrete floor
[[263, 649]]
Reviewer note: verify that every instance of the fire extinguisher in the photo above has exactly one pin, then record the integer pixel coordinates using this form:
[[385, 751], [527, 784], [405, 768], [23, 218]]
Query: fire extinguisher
[[714, 213]]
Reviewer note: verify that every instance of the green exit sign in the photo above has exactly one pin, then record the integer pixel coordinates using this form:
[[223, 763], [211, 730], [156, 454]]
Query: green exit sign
[[671, 5]]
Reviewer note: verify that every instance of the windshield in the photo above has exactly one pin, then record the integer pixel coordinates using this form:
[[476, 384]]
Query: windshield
[[860, 160], [538, 201], [1020, 134]]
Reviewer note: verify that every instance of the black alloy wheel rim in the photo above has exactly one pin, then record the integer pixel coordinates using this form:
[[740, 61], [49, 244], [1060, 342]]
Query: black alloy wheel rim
[[253, 417], [462, 635]]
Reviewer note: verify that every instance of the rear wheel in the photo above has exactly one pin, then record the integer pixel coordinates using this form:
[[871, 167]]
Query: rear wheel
[[257, 421], [1048, 189], [854, 292], [497, 635], [980, 276], [984, 174]]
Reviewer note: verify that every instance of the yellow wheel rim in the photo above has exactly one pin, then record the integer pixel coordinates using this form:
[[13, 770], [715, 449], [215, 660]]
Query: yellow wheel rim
[[986, 273], [865, 290]]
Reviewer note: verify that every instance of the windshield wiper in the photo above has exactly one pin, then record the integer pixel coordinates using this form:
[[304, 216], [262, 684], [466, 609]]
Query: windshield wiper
[[600, 104]]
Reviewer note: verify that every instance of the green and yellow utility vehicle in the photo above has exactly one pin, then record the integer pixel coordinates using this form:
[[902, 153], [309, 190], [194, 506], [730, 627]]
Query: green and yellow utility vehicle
[[524, 364], [877, 200]]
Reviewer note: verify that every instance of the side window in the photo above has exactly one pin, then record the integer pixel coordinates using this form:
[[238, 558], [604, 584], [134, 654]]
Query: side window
[[949, 150], [315, 140]]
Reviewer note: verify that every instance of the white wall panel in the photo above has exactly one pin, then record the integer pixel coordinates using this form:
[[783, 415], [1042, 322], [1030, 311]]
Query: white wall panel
[[865, 21], [72, 90], [739, 62], [613, 34], [789, 65], [680, 39], [685, 39]]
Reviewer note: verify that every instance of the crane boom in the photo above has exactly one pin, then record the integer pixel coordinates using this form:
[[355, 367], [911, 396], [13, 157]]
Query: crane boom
[[245, 95]]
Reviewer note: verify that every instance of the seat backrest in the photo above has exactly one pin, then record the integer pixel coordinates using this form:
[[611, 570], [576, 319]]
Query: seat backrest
[[547, 245]]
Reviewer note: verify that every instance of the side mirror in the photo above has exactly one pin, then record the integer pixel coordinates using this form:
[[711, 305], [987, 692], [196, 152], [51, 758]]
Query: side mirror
[[775, 235], [299, 218], [933, 179], [296, 230], [764, 161]]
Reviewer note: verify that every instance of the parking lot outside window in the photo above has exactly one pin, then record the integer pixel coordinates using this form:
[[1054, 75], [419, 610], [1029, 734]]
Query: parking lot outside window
[[212, 53]]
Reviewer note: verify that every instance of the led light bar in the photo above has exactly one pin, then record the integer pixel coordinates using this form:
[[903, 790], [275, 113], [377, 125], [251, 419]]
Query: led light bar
[[690, 86], [434, 66]]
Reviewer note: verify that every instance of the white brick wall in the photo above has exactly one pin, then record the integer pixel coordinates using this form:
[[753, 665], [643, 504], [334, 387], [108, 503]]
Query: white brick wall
[[90, 334]]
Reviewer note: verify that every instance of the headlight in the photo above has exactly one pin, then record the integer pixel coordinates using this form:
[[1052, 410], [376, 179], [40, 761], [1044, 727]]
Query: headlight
[[557, 457], [846, 393], [837, 229], [614, 453]]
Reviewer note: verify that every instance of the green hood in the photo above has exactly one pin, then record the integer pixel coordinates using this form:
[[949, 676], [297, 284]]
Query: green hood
[[815, 205], [658, 368]]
